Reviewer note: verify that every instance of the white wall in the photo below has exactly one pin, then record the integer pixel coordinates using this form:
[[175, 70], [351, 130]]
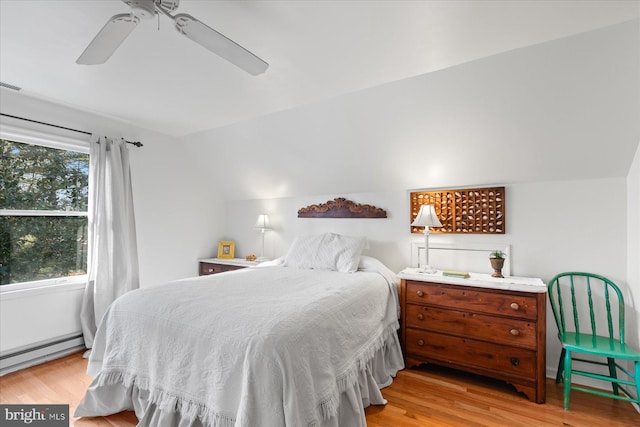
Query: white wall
[[177, 219]]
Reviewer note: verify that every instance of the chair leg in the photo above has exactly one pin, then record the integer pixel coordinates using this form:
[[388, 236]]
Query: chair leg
[[559, 372], [612, 373], [636, 370], [567, 378]]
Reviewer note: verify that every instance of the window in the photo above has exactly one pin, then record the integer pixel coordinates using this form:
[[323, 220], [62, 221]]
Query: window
[[43, 212]]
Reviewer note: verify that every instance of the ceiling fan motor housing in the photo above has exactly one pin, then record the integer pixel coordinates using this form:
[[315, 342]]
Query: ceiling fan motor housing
[[143, 9], [146, 9]]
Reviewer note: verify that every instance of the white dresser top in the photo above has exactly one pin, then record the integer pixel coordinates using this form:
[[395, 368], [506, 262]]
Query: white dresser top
[[511, 283]]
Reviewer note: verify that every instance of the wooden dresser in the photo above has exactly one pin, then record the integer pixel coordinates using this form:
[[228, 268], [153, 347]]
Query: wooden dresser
[[488, 326], [220, 265]]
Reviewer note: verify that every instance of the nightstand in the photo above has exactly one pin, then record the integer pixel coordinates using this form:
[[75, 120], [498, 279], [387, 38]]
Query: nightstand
[[484, 325], [220, 265]]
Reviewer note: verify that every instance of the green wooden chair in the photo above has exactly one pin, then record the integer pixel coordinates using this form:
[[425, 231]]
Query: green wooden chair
[[589, 312]]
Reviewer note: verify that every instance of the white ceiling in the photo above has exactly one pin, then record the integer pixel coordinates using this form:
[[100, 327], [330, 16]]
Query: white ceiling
[[163, 81]]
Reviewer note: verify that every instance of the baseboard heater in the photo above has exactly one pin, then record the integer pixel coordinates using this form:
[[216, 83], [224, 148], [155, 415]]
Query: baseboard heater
[[40, 353]]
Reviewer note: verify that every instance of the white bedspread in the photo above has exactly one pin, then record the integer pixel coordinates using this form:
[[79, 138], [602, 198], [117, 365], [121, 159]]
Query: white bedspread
[[271, 346]]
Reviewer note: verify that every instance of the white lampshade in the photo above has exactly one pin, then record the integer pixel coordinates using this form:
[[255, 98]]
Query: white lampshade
[[263, 222], [427, 217]]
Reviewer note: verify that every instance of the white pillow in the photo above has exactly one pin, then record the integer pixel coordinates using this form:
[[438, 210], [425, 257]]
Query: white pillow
[[327, 251]]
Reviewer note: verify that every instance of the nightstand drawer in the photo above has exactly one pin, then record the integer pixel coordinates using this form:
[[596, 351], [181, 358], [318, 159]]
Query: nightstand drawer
[[211, 268], [489, 328], [472, 299], [455, 350]]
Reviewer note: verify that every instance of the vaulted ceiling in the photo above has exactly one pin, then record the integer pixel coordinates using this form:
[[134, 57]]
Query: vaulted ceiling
[[317, 50]]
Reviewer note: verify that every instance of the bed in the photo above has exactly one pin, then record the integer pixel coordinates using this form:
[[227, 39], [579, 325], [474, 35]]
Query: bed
[[301, 341]]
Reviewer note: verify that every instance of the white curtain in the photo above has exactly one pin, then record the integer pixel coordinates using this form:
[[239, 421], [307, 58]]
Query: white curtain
[[113, 256]]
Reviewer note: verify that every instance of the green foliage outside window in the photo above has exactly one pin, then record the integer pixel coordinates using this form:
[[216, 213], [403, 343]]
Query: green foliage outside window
[[42, 246]]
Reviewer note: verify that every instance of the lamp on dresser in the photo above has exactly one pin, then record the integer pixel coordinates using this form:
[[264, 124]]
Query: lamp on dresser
[[263, 225], [426, 218]]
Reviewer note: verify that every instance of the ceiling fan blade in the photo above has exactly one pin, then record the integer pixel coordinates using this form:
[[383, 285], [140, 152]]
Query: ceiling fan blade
[[108, 39], [219, 44]]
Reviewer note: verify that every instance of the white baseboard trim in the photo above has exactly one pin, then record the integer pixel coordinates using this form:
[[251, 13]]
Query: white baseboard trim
[[42, 353]]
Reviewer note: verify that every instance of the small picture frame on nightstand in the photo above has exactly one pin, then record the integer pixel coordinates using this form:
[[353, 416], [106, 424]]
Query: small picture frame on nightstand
[[226, 249]]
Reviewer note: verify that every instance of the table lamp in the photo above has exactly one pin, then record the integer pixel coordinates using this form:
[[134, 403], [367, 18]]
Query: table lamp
[[426, 218], [263, 225]]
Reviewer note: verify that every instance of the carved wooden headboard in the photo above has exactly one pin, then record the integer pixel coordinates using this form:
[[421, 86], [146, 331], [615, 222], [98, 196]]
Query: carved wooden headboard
[[341, 208]]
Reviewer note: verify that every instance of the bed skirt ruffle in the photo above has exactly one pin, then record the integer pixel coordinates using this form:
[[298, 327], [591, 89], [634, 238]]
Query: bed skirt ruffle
[[108, 396]]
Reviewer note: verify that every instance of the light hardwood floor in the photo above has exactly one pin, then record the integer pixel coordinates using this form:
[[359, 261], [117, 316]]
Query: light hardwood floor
[[429, 396]]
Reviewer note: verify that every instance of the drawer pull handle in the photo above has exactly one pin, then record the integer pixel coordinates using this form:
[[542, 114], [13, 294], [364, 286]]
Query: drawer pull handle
[[515, 361], [420, 316], [420, 294], [210, 270], [420, 342], [515, 306], [515, 332]]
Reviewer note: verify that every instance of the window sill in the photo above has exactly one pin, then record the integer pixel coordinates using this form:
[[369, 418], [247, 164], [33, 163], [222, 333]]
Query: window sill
[[28, 289]]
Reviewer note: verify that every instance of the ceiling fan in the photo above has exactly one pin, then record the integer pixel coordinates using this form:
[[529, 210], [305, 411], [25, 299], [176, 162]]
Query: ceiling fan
[[116, 30]]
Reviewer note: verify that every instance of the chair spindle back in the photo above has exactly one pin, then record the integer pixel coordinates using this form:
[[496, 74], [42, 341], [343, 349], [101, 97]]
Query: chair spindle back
[[573, 288]]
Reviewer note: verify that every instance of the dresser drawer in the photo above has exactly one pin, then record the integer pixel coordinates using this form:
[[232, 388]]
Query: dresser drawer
[[449, 349], [211, 268], [489, 328], [472, 299]]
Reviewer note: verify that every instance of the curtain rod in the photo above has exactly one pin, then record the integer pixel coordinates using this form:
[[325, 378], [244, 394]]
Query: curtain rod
[[136, 143]]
